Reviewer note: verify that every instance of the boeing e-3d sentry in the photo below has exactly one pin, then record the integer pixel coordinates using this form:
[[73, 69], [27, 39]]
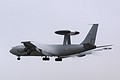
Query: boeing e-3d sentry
[[65, 50]]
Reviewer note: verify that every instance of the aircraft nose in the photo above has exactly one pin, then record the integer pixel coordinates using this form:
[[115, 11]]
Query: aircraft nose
[[12, 51]]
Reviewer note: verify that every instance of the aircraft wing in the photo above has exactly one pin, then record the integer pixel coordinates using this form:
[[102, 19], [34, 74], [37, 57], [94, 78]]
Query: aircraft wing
[[28, 44], [82, 54], [30, 47]]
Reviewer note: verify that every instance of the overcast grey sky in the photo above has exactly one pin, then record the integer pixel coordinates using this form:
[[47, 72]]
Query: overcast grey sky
[[36, 20]]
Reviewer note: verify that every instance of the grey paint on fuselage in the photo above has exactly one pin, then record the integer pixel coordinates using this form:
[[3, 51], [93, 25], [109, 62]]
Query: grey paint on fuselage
[[60, 51], [50, 50]]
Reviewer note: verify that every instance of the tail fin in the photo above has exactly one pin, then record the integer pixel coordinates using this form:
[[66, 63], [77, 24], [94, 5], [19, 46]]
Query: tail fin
[[91, 37]]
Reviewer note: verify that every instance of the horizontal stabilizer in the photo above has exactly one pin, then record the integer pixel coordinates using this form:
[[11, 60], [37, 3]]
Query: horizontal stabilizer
[[103, 46]]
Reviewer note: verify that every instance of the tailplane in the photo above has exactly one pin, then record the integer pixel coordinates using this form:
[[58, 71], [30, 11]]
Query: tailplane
[[91, 36]]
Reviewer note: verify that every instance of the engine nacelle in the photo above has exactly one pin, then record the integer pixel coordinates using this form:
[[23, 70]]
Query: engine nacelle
[[80, 55]]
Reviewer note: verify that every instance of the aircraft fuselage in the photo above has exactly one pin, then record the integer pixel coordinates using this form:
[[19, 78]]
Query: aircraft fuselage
[[49, 50]]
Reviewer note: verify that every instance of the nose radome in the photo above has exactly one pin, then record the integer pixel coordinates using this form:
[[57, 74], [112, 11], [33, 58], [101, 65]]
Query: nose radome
[[11, 51]]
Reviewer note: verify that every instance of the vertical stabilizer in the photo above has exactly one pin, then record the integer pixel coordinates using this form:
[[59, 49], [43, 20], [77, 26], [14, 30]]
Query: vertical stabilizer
[[91, 36]]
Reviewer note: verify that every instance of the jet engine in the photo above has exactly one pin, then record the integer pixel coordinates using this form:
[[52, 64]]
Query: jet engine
[[80, 55]]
